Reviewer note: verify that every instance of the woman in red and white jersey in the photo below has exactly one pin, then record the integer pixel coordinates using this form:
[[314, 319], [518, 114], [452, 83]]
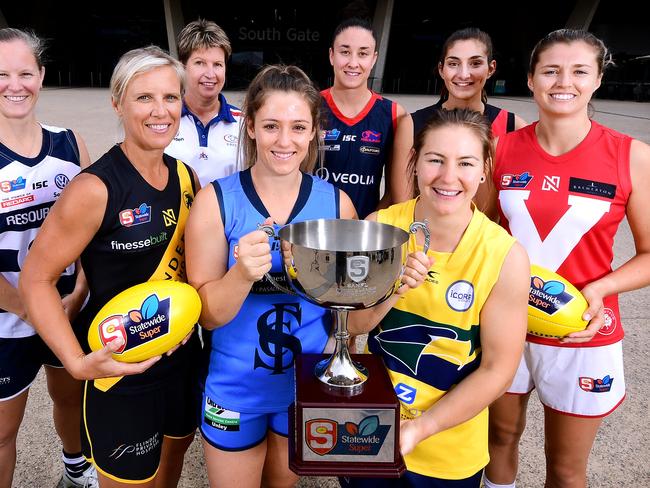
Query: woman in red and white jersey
[[564, 185]]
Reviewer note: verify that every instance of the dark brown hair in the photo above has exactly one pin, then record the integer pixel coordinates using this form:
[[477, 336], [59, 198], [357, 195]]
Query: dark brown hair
[[280, 78], [467, 34]]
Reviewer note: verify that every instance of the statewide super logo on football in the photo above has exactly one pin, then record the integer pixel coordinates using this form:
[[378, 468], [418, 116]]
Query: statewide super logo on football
[[138, 326], [548, 297]]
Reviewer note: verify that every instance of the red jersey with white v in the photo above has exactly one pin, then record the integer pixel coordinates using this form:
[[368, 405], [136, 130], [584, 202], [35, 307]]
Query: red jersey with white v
[[565, 210]]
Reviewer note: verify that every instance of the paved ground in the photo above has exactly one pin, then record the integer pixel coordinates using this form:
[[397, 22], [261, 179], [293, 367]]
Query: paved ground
[[621, 456]]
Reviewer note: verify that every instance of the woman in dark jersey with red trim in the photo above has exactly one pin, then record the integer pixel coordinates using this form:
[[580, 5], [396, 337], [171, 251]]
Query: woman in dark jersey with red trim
[[466, 63], [359, 125]]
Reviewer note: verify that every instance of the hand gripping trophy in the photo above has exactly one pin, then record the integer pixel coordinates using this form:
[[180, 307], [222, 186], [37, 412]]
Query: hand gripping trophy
[[346, 416]]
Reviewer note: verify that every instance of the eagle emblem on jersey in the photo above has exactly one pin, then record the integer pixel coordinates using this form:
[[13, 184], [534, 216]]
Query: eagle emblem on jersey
[[411, 344]]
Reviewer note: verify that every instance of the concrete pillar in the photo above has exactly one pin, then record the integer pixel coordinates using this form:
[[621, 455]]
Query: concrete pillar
[[173, 22], [381, 26], [582, 14]]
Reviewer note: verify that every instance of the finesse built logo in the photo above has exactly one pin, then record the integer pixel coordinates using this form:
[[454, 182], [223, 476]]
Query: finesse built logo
[[325, 436]]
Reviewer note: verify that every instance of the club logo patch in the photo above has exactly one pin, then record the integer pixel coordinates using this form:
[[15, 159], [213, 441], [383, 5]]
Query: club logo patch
[[609, 326], [371, 136]]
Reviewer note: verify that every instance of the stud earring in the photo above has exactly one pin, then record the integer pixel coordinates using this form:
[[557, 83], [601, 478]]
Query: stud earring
[[482, 180]]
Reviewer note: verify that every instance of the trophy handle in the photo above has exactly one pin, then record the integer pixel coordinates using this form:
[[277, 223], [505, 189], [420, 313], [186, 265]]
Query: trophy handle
[[270, 231], [425, 230]]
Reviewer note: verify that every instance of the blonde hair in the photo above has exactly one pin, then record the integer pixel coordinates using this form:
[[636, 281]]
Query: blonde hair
[[138, 61]]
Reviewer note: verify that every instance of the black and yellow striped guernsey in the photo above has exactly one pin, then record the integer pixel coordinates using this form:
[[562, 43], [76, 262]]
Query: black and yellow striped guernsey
[[141, 238], [430, 340]]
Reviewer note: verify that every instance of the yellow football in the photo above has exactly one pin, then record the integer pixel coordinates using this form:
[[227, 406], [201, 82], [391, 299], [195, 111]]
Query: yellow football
[[151, 317], [555, 306]]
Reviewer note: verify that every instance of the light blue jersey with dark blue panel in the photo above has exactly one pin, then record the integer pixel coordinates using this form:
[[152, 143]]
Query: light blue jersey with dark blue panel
[[252, 357]]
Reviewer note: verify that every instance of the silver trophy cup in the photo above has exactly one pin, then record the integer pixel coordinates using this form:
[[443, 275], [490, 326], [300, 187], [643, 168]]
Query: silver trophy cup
[[343, 265]]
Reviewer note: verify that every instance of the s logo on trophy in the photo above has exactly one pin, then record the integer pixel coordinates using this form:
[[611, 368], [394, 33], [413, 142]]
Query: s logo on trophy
[[345, 418]]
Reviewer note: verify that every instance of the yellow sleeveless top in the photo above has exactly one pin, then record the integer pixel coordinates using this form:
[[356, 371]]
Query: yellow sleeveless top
[[430, 339]]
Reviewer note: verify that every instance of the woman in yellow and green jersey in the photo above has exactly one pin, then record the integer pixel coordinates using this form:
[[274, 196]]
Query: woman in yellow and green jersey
[[452, 336]]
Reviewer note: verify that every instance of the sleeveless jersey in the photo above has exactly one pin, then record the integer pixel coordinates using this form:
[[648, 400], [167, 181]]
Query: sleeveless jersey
[[501, 120], [357, 150], [252, 356], [566, 209], [29, 187], [211, 150], [430, 340], [140, 239]]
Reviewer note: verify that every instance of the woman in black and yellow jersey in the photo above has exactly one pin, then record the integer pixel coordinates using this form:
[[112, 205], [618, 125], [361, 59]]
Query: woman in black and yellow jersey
[[125, 217], [452, 336]]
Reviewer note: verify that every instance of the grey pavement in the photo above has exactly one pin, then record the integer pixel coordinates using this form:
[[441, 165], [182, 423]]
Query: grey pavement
[[621, 455]]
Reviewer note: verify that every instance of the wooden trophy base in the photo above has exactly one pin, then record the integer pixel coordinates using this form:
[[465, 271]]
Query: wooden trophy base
[[338, 434]]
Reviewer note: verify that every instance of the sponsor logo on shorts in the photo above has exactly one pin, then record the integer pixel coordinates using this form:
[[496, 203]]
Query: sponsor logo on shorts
[[12, 202], [460, 295], [137, 449], [370, 136], [369, 150], [549, 296], [516, 181], [609, 325], [136, 216], [597, 385], [220, 418], [139, 326], [5, 380], [331, 135], [325, 436], [8, 186]]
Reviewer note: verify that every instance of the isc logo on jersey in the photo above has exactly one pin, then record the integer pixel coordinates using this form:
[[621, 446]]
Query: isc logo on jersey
[[136, 216]]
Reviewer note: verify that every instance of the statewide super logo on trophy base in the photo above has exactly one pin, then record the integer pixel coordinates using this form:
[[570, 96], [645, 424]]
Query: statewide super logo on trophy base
[[346, 415]]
